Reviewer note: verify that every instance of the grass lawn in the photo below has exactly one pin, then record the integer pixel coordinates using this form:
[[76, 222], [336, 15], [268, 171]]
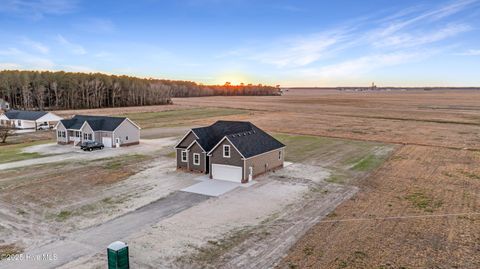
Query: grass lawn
[[180, 117], [344, 158], [12, 153]]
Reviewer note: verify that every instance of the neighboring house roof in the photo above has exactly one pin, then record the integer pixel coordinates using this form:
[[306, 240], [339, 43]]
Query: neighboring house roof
[[246, 137], [25, 115], [97, 123]]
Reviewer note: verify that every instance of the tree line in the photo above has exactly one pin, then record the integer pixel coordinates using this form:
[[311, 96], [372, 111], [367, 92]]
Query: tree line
[[65, 90]]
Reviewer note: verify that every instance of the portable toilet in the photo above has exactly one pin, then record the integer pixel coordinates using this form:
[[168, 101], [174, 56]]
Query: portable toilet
[[117, 255]]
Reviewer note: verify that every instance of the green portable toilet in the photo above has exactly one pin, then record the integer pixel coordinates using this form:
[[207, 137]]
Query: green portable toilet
[[117, 254]]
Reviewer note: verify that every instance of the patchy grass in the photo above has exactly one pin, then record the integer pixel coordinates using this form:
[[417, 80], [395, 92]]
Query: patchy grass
[[118, 162], [300, 147], [13, 153], [171, 154], [171, 118], [9, 250], [421, 200], [63, 215], [369, 162]]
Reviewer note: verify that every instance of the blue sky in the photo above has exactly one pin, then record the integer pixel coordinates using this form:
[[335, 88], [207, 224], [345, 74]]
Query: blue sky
[[291, 43]]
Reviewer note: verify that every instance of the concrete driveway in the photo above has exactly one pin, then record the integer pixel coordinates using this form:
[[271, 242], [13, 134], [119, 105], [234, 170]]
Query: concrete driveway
[[214, 187]]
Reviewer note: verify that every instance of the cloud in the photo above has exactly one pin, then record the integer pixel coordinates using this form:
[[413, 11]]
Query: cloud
[[471, 52], [37, 9], [365, 64], [37, 46], [365, 45], [9, 66], [95, 25], [25, 59], [72, 47]]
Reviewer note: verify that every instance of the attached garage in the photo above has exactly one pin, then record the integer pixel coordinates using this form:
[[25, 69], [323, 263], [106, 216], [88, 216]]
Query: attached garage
[[227, 172], [107, 141]]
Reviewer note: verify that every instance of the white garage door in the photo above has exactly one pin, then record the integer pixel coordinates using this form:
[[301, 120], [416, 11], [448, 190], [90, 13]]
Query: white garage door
[[227, 172], [107, 142]]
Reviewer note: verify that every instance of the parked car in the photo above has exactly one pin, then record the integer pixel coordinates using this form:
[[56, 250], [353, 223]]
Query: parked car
[[44, 127], [89, 146]]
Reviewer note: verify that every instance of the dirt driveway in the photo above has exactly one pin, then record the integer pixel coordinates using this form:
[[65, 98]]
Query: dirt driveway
[[98, 237], [68, 152]]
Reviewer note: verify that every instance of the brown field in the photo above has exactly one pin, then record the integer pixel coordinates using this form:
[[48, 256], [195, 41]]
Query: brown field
[[421, 209]]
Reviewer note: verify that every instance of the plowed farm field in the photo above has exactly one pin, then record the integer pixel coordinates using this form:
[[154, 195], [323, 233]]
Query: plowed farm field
[[420, 208]]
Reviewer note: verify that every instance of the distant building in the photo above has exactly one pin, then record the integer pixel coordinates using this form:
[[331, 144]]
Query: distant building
[[111, 131], [4, 105], [24, 119]]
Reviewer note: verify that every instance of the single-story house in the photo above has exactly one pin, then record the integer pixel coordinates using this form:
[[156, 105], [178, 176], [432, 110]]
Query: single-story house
[[4, 105], [111, 131], [229, 150], [24, 119]]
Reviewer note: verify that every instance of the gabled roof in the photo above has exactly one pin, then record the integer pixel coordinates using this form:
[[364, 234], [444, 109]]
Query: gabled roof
[[25, 114], [246, 137], [98, 123]]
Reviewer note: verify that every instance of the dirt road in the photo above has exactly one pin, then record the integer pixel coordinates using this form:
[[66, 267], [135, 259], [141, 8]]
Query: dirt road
[[95, 239]]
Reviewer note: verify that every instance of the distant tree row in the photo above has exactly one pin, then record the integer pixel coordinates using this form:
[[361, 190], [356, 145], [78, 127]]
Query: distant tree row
[[63, 90]]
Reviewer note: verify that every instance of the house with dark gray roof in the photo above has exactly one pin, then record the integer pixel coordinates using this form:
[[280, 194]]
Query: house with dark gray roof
[[111, 131], [229, 150], [25, 119]]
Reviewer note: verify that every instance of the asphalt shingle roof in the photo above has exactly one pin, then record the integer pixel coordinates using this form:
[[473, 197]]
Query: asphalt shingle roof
[[98, 123], [24, 114], [246, 137]]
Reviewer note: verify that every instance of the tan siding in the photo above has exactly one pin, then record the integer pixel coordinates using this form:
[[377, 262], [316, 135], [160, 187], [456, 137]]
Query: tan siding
[[217, 156], [61, 128], [124, 130], [264, 162]]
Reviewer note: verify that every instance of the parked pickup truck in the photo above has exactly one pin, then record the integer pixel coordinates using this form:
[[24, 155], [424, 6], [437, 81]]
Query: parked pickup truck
[[90, 145], [44, 127]]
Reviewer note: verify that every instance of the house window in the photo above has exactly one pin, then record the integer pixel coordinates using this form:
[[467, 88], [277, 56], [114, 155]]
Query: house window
[[126, 138], [196, 159], [90, 137], [19, 122], [63, 134], [85, 136], [184, 156], [226, 151], [280, 155], [78, 134], [59, 134]]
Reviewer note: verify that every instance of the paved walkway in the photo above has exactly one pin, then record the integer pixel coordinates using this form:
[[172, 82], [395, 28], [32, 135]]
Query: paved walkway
[[97, 238]]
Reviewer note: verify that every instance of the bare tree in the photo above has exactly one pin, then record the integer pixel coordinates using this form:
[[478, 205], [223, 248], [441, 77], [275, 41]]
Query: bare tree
[[5, 132]]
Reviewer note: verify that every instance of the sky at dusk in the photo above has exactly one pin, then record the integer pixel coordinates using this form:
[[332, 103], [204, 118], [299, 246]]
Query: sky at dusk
[[291, 43]]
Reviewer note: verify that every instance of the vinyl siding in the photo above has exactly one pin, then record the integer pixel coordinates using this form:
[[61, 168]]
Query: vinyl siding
[[86, 129], [264, 162], [61, 128], [196, 149], [180, 164], [217, 156], [187, 140], [126, 128]]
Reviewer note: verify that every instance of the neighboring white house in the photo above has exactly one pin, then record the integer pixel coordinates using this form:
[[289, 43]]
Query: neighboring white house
[[4, 105], [111, 131], [23, 119]]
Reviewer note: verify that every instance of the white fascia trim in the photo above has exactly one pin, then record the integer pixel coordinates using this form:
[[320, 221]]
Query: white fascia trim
[[185, 136], [225, 137], [265, 153], [195, 141]]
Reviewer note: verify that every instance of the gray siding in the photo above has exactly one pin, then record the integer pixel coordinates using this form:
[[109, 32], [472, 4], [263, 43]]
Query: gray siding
[[217, 156], [187, 140], [180, 164], [86, 130], [127, 132], [264, 162], [196, 149]]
